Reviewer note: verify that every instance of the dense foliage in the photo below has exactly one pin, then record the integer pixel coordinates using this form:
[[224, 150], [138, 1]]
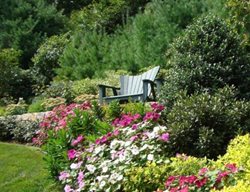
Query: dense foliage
[[203, 124], [208, 56]]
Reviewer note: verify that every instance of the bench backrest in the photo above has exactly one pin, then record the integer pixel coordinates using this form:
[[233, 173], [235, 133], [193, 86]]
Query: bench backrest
[[134, 84]]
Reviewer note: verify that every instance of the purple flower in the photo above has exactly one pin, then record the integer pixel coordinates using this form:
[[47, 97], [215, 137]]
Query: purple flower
[[134, 138], [164, 137], [134, 126], [67, 188]]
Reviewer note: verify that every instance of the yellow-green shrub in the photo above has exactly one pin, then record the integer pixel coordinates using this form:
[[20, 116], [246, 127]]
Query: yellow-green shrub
[[50, 103], [238, 152], [153, 176]]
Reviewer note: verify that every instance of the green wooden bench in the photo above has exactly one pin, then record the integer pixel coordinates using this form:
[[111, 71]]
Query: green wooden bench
[[134, 88]]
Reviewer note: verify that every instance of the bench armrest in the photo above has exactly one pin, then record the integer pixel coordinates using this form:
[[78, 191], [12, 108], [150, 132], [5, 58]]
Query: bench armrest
[[102, 91]]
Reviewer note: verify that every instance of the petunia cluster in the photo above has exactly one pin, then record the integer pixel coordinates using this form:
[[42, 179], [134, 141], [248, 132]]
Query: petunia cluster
[[135, 141]]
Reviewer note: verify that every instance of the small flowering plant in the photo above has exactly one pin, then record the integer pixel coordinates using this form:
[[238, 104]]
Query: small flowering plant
[[134, 141], [206, 180]]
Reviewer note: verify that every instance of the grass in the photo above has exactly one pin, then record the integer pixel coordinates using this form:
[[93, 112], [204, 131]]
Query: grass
[[23, 170]]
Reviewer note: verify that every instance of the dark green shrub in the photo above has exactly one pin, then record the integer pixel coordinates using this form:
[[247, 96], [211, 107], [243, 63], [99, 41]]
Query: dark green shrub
[[7, 124], [61, 89], [202, 125], [113, 110], [46, 58], [208, 56]]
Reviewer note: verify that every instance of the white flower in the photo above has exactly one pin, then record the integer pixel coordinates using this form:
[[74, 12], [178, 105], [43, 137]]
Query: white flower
[[150, 157], [98, 149], [128, 143], [135, 150], [105, 169], [102, 184], [91, 168], [114, 144], [76, 165]]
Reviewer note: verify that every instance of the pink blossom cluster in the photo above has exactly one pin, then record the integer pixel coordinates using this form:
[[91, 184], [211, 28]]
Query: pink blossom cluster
[[203, 181], [157, 107], [126, 120], [57, 119]]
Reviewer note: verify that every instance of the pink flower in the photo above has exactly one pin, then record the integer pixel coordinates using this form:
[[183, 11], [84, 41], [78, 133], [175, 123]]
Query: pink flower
[[71, 154], [157, 107], [80, 177], [232, 167], [134, 138], [221, 175], [116, 132], [201, 182], [77, 140], [151, 116], [64, 175], [203, 171], [98, 141], [164, 137], [185, 189], [170, 180], [67, 188], [134, 126]]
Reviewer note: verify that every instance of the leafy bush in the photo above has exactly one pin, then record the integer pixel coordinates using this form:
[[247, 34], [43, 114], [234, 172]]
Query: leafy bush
[[36, 106], [114, 110], [46, 58], [153, 176], [17, 129], [61, 89], [134, 108], [50, 103], [2, 111], [238, 152], [7, 124], [16, 109], [24, 130], [208, 56], [202, 125], [85, 97]]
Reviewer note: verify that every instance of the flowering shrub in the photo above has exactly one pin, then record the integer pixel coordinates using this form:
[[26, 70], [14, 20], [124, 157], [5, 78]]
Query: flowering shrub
[[206, 180], [65, 130], [135, 141]]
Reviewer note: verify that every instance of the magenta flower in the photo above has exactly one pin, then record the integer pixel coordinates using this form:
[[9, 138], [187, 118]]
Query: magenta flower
[[232, 167], [71, 154], [77, 140], [164, 137], [170, 180], [203, 171], [157, 107], [116, 132], [134, 126]]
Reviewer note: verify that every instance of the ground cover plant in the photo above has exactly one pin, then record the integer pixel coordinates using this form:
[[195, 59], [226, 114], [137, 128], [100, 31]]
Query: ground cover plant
[[23, 169]]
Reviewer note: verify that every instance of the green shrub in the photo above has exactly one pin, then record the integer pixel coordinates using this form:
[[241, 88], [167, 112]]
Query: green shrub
[[202, 125], [238, 152], [134, 108], [85, 97], [61, 89], [24, 130], [16, 109], [113, 110], [50, 103], [153, 176], [2, 111], [36, 106], [7, 124], [208, 56], [46, 58]]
